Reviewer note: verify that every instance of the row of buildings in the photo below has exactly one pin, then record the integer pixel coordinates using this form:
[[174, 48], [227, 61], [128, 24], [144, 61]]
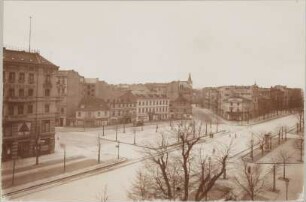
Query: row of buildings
[[242, 103], [88, 102], [37, 96]]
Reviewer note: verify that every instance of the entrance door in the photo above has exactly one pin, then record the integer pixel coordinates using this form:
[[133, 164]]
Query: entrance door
[[61, 122]]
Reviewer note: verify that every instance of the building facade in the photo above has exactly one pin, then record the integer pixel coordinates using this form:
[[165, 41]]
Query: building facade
[[29, 104], [253, 100], [152, 107], [92, 112], [70, 86], [123, 108]]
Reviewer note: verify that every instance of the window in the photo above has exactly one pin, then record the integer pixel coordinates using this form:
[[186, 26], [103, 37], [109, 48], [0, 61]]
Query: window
[[21, 77], [12, 77], [47, 108], [231, 104], [47, 92], [21, 92], [20, 109], [62, 110], [79, 114], [48, 78], [30, 109], [31, 78], [30, 92], [46, 126], [11, 110], [12, 92], [99, 113]]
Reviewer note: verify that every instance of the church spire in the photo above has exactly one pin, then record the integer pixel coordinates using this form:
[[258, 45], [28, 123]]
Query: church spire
[[189, 79]]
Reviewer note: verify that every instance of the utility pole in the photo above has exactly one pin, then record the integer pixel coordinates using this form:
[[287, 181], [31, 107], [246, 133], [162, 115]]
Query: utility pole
[[118, 146], [103, 130], [99, 148], [134, 136], [124, 126], [274, 181], [36, 120], [252, 142], [116, 133], [14, 165], [64, 159]]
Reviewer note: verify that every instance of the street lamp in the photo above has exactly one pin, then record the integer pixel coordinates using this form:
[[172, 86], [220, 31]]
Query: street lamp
[[209, 166], [252, 143], [134, 136], [118, 146], [287, 184]]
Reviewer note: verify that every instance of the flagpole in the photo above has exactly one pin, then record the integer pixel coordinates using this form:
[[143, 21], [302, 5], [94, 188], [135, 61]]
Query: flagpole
[[30, 34]]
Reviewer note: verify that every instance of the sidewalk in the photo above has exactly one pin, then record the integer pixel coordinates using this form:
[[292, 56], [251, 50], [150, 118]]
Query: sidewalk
[[294, 172], [56, 174]]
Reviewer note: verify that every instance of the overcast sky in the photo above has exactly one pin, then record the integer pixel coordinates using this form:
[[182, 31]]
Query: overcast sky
[[219, 43]]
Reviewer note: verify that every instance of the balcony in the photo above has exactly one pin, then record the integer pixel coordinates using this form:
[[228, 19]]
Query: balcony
[[19, 99]]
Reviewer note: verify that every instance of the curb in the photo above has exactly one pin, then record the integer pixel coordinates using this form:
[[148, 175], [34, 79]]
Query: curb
[[38, 183]]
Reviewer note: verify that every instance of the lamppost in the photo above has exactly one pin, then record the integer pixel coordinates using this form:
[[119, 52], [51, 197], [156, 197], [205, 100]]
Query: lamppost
[[134, 136], [287, 184], [209, 166], [63, 146], [252, 145], [274, 181], [99, 148], [116, 132], [124, 125], [118, 146]]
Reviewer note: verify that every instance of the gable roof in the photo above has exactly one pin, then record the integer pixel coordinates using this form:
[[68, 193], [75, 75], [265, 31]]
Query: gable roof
[[92, 104]]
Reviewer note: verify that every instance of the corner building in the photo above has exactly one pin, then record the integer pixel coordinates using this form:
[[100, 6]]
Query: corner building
[[29, 104]]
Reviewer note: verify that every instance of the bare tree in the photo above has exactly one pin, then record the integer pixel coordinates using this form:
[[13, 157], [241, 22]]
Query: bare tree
[[284, 157], [168, 175], [300, 118], [261, 141], [103, 197], [208, 177], [299, 144], [189, 137], [141, 187], [250, 179]]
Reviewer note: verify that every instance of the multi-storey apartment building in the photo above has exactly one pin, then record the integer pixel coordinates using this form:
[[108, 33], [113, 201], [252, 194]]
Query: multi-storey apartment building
[[29, 104], [123, 108], [237, 108], [152, 107], [69, 87]]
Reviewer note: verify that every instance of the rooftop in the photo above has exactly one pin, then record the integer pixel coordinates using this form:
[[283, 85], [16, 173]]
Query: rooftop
[[24, 57]]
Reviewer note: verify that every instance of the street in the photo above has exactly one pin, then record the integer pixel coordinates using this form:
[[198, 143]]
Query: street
[[117, 180]]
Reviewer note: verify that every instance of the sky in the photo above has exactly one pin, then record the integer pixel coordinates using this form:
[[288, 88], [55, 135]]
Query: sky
[[218, 42]]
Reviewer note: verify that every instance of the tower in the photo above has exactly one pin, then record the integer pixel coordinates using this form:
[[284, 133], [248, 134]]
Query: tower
[[189, 79]]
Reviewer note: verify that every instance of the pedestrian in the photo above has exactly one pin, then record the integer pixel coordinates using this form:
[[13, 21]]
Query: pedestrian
[[214, 150], [235, 135]]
